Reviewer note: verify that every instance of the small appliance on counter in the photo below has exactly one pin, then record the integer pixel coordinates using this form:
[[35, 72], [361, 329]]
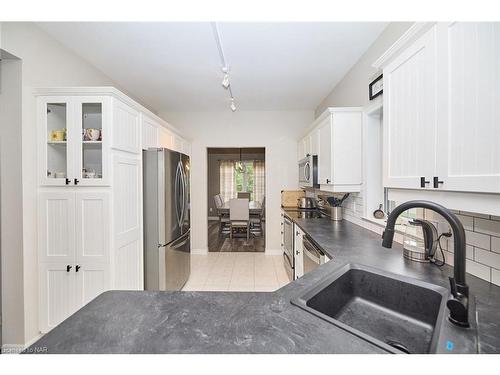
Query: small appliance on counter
[[307, 202], [420, 241]]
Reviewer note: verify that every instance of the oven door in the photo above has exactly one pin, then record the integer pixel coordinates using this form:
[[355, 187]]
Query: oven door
[[306, 172], [312, 256], [288, 267]]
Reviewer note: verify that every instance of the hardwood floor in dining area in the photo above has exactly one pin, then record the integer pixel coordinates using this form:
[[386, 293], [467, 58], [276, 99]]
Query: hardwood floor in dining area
[[238, 244]]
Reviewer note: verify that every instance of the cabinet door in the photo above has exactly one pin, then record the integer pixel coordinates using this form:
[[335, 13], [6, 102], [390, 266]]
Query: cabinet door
[[307, 145], [56, 227], [325, 152], [469, 138], [150, 130], [410, 115], [166, 139], [298, 253], [57, 293], [92, 279], [92, 245], [55, 133], [92, 227], [92, 143]]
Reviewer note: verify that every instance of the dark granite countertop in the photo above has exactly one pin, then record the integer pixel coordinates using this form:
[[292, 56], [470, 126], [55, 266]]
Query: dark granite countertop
[[227, 322]]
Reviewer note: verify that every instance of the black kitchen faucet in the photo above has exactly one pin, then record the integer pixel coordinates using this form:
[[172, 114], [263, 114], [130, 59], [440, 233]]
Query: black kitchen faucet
[[459, 303]]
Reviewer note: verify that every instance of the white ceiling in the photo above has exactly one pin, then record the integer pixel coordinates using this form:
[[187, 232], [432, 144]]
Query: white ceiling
[[176, 66]]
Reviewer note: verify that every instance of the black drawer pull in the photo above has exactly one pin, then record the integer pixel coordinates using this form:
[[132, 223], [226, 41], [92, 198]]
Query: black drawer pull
[[437, 182], [423, 182], [68, 268]]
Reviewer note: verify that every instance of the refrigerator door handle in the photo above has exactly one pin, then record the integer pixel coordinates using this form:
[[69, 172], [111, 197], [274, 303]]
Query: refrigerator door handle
[[182, 241], [184, 195], [176, 195]]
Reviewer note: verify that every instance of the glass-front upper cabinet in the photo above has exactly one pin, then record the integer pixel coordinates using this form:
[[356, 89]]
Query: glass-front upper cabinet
[[74, 143]]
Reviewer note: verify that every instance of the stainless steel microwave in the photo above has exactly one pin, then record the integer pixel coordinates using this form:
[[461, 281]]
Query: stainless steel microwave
[[308, 171]]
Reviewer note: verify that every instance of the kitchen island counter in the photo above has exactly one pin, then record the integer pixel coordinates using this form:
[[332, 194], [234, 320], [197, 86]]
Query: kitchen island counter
[[239, 322]]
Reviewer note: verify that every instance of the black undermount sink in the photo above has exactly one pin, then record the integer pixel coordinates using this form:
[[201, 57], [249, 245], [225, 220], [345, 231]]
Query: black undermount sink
[[396, 313]]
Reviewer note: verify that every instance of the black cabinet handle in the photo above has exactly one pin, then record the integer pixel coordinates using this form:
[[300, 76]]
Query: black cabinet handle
[[68, 268], [68, 181], [437, 182], [77, 268], [327, 181], [76, 181], [423, 182]]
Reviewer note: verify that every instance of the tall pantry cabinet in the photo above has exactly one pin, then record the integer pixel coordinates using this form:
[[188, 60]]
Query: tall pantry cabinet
[[89, 197]]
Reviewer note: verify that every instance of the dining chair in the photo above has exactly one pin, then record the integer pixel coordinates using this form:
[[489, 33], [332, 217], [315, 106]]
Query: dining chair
[[243, 195], [239, 215], [223, 218], [256, 220]]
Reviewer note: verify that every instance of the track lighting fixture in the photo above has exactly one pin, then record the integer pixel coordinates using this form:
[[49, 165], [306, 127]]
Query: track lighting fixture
[[224, 67], [225, 81]]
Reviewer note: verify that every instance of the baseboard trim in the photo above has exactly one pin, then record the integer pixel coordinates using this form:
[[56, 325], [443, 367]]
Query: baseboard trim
[[273, 252], [203, 251]]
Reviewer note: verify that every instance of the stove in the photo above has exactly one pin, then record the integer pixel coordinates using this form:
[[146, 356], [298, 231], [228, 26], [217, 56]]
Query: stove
[[303, 213]]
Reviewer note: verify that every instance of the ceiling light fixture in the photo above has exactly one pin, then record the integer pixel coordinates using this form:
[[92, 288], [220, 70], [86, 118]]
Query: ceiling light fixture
[[224, 67], [225, 81]]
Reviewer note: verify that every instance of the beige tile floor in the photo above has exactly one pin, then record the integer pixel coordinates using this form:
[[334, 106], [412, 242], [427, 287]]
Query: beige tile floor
[[242, 272]]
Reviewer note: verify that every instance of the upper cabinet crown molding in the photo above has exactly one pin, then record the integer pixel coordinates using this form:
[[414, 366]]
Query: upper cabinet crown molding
[[417, 29]]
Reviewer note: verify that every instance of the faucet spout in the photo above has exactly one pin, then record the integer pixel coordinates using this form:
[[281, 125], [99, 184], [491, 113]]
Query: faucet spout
[[458, 304]]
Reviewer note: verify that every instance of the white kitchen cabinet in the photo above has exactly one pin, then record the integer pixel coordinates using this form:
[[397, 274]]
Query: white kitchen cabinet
[[441, 111], [150, 131], [57, 293], [74, 140], [468, 138], [298, 251], [410, 115], [74, 243], [339, 149]]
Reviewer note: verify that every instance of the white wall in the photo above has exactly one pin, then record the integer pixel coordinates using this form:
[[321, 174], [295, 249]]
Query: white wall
[[276, 131], [44, 63], [352, 90], [11, 200]]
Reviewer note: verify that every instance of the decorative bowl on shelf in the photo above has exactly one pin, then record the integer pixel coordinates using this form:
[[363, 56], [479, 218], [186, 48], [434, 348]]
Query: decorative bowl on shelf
[[91, 134]]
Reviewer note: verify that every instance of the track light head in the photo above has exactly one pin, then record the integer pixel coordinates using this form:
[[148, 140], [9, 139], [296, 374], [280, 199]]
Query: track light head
[[225, 81], [232, 106]]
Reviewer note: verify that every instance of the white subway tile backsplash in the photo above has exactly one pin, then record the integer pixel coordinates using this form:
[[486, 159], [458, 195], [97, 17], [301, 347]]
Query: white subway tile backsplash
[[479, 270], [477, 239], [467, 213], [469, 250], [495, 276], [490, 227], [495, 244], [487, 258], [467, 222]]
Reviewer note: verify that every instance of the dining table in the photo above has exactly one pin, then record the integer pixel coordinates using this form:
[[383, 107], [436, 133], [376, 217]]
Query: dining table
[[253, 206]]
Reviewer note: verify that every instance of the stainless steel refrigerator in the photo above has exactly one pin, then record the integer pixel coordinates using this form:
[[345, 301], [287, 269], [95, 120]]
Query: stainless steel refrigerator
[[166, 219]]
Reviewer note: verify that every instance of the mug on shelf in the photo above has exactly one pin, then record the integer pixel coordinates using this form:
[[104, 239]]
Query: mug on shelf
[[91, 134], [58, 135]]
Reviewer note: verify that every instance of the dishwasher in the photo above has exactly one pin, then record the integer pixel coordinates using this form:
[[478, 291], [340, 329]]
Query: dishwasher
[[313, 257]]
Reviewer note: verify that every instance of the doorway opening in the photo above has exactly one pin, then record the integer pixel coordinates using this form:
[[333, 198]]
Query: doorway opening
[[236, 199]]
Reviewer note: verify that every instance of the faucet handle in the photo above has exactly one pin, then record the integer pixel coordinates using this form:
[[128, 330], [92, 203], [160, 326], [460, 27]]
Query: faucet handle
[[453, 287]]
